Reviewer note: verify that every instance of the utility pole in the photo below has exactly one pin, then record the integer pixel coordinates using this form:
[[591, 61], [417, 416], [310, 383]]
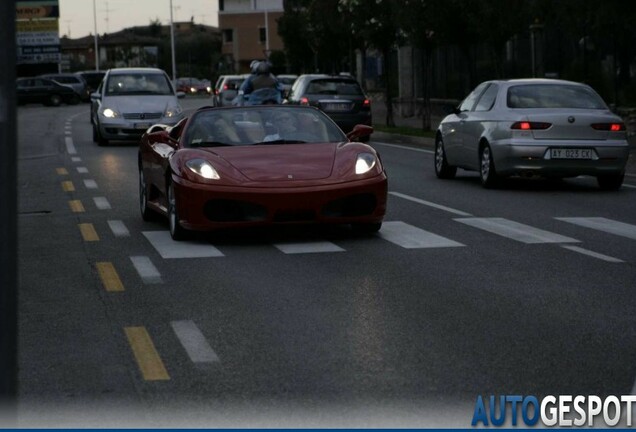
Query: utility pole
[[174, 62], [8, 215], [96, 37]]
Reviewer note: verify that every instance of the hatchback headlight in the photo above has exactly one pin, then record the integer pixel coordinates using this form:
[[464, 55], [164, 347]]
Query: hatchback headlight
[[365, 163], [110, 113], [203, 168], [173, 111]]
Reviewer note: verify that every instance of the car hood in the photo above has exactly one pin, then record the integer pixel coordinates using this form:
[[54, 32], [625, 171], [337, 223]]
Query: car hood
[[140, 104], [286, 162]]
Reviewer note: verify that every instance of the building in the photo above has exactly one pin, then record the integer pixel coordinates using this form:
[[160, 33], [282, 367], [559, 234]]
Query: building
[[250, 31]]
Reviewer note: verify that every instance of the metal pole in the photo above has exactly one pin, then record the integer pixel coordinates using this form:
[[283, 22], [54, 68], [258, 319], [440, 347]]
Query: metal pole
[[96, 47], [8, 214], [174, 62], [266, 34]]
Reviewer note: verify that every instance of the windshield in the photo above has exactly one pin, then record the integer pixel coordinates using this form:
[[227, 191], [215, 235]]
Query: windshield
[[263, 125], [553, 96], [138, 84]]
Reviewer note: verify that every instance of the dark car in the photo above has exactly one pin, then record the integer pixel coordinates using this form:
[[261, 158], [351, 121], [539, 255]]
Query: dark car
[[76, 82], [45, 91], [226, 89], [338, 96], [92, 78], [192, 86]]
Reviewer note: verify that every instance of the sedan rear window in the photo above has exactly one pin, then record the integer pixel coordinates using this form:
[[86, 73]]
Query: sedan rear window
[[553, 96], [334, 87]]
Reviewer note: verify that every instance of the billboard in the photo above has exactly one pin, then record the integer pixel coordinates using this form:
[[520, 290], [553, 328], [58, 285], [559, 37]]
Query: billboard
[[37, 31]]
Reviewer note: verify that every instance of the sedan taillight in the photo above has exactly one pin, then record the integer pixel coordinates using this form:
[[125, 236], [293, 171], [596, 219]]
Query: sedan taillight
[[524, 125], [612, 127], [304, 101]]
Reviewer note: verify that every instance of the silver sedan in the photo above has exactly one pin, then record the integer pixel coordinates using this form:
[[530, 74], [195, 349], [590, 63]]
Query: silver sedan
[[533, 127]]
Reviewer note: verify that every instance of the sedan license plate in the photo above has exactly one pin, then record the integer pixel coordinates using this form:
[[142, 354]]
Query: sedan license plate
[[142, 126], [570, 153], [335, 107]]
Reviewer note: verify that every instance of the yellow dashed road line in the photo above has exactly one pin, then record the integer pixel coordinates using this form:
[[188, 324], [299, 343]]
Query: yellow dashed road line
[[148, 359], [88, 232], [61, 171], [110, 278], [76, 206], [68, 186]]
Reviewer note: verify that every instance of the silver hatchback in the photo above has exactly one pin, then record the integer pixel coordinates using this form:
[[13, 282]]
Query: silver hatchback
[[542, 127], [130, 100]]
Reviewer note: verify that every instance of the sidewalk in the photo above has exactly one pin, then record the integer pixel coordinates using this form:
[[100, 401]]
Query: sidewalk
[[379, 117]]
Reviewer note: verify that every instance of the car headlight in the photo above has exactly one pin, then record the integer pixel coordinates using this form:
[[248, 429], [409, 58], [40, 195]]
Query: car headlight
[[110, 113], [203, 168], [172, 111], [364, 163]]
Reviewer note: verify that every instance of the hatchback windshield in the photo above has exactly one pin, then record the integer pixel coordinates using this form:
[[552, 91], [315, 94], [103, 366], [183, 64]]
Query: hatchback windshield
[[553, 96], [138, 84]]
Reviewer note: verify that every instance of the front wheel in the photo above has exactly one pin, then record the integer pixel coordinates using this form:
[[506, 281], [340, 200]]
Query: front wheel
[[177, 232], [146, 213], [487, 172], [55, 100], [442, 169], [610, 182]]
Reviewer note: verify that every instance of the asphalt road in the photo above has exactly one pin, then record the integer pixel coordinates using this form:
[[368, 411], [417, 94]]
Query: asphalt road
[[527, 289]]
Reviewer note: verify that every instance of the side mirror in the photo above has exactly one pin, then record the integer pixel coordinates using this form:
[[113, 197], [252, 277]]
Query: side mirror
[[95, 96], [180, 95], [360, 132]]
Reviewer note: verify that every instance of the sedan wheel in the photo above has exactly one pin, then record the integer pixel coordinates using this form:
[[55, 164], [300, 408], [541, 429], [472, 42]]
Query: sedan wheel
[[55, 100], [442, 169], [146, 213], [610, 182], [177, 232], [487, 172]]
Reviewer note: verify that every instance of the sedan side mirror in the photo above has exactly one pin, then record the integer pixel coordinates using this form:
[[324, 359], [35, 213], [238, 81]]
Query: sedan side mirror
[[95, 96], [180, 95]]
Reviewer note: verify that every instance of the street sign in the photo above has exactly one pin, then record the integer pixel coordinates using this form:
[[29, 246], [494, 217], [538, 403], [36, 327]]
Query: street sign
[[37, 38], [43, 25]]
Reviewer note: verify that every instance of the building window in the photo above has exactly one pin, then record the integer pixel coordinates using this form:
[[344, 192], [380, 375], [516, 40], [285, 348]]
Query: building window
[[228, 36], [262, 35]]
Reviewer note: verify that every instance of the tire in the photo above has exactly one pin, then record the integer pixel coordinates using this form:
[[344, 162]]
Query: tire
[[177, 232], [487, 171], [442, 169], [97, 137], [55, 100], [610, 182], [366, 228], [146, 213]]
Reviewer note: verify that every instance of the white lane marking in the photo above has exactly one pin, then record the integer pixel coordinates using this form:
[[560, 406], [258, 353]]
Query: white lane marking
[[90, 184], [603, 224], [415, 149], [193, 341], [430, 204], [118, 228], [516, 231], [82, 170], [76, 159], [67, 126], [169, 248], [70, 148], [592, 254], [308, 247], [410, 237], [67, 133], [102, 203], [146, 269]]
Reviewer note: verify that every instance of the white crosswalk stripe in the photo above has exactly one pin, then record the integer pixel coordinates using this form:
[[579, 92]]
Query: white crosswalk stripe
[[410, 237], [169, 248], [602, 224], [194, 342], [308, 247], [516, 231]]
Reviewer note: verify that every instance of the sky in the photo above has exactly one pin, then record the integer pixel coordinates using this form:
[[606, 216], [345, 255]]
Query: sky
[[76, 16]]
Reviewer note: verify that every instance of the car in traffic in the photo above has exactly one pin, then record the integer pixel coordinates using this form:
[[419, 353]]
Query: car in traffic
[[76, 82], [226, 89], [340, 96], [260, 165], [44, 91], [286, 82], [533, 127], [92, 78], [129, 100], [193, 86]]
